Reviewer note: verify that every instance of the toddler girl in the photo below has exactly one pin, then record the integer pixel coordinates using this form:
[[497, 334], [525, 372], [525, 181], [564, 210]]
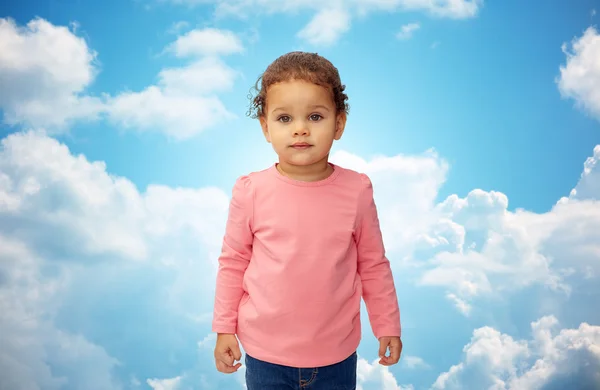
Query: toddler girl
[[302, 245]]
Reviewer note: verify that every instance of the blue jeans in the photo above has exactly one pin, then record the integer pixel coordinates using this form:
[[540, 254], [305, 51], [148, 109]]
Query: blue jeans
[[268, 376]]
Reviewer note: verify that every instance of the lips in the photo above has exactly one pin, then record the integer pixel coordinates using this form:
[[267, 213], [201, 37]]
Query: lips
[[301, 145]]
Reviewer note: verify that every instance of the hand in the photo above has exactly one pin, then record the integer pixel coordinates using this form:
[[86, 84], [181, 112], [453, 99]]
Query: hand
[[227, 351], [395, 346]]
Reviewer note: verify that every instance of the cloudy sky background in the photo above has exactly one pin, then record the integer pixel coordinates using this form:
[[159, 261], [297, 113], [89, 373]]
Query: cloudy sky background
[[123, 129]]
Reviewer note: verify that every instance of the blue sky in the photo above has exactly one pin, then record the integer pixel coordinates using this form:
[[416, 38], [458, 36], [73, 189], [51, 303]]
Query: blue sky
[[123, 129]]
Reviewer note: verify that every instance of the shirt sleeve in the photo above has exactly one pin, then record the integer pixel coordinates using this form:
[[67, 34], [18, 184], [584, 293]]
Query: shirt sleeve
[[379, 291], [234, 258]]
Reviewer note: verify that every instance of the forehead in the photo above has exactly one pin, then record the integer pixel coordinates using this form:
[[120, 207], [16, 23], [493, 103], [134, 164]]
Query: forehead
[[297, 92]]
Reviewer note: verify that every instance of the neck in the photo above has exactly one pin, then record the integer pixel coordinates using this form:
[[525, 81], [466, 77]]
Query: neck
[[313, 172]]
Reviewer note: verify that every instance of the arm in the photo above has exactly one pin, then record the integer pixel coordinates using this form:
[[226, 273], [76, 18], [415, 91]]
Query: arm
[[235, 256], [379, 292]]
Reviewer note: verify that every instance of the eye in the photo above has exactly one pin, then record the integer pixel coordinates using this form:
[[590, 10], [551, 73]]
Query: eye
[[284, 119], [315, 117]]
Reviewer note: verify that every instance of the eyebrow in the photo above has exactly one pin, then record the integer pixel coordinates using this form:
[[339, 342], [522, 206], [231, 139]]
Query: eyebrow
[[286, 108], [321, 106]]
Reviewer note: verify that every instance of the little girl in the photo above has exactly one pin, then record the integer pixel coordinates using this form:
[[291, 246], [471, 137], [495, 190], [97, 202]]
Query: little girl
[[302, 246]]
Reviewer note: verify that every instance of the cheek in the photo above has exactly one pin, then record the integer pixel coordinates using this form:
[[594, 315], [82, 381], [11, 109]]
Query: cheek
[[325, 130], [276, 135]]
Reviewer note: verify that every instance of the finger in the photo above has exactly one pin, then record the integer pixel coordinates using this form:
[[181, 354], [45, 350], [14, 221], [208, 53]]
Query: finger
[[394, 354], [237, 354], [226, 357], [398, 348], [385, 361], [227, 369], [382, 348]]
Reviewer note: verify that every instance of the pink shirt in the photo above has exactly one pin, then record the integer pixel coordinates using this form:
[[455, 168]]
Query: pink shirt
[[297, 257]]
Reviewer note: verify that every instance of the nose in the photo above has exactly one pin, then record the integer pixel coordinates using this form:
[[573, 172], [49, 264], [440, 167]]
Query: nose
[[301, 128]]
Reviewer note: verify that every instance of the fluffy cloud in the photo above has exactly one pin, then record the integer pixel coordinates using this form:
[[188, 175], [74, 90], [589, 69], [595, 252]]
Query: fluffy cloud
[[569, 358], [477, 248], [473, 247], [569, 232], [457, 9], [164, 384], [71, 234], [580, 77], [409, 207], [209, 41], [406, 31], [481, 249], [330, 23], [326, 27], [46, 69], [69, 230], [179, 116], [414, 362], [454, 9], [183, 103], [34, 353], [375, 376], [588, 186], [44, 73]]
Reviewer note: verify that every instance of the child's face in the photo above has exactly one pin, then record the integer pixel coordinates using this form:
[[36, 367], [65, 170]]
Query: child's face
[[301, 112]]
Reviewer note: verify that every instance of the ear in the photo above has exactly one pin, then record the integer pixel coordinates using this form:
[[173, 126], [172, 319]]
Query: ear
[[265, 128], [340, 125]]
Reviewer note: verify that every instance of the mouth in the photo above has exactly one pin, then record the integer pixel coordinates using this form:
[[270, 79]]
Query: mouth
[[301, 145]]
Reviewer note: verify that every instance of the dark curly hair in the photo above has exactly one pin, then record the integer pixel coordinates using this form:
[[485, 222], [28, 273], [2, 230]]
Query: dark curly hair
[[298, 65]]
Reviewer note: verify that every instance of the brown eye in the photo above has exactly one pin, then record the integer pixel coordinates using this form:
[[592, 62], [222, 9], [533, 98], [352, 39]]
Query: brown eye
[[315, 117], [284, 119]]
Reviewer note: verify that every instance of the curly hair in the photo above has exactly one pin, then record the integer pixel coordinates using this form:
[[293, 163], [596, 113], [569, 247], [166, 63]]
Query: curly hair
[[297, 65]]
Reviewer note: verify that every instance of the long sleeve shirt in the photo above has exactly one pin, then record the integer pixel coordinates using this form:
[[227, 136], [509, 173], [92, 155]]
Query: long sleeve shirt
[[296, 259]]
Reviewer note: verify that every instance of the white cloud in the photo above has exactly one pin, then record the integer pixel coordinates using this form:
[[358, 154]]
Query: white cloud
[[208, 341], [183, 103], [478, 248], [326, 27], [44, 73], [414, 362], [206, 42], [178, 116], [580, 77], [179, 26], [46, 69], [489, 251], [551, 360], [68, 231], [409, 206], [457, 9], [375, 376], [164, 384], [406, 31], [203, 76], [459, 303], [588, 186], [66, 205], [78, 229], [454, 9], [473, 247], [330, 23], [33, 353]]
